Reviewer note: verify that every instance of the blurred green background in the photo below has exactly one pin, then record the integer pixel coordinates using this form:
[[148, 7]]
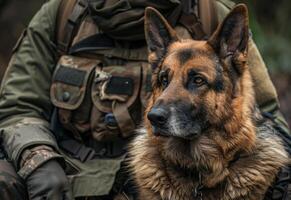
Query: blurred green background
[[269, 23]]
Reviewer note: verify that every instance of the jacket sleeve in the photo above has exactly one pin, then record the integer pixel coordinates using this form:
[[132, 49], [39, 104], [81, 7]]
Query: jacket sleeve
[[25, 106], [266, 95]]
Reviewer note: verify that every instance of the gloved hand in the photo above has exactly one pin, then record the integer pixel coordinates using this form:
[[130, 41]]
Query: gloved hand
[[49, 182]]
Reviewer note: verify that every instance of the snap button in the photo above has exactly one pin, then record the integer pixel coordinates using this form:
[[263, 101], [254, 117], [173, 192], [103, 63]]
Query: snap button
[[110, 120], [66, 96]]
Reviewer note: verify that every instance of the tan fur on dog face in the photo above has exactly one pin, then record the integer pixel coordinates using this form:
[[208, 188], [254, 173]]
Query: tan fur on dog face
[[221, 107], [210, 129]]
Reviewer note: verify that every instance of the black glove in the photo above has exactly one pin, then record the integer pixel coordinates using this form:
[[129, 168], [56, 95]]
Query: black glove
[[49, 182]]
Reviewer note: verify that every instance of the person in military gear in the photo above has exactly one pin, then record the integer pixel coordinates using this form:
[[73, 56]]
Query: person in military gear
[[75, 90]]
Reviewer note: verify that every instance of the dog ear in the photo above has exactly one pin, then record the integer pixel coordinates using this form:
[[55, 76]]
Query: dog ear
[[232, 35], [159, 35]]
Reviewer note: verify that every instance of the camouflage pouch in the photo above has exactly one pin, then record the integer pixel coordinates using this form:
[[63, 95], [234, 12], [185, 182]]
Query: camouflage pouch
[[114, 91], [104, 102], [70, 93]]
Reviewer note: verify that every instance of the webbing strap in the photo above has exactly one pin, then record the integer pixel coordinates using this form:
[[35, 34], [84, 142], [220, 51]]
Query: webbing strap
[[65, 118], [208, 16], [70, 15], [203, 26], [94, 42], [80, 151], [193, 25], [123, 118]]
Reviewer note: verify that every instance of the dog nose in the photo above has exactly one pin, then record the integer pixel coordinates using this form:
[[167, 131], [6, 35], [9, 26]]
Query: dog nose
[[158, 116]]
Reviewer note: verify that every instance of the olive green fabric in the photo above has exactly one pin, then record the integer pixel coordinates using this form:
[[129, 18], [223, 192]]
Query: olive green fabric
[[92, 177], [224, 5], [124, 19], [25, 87], [23, 134]]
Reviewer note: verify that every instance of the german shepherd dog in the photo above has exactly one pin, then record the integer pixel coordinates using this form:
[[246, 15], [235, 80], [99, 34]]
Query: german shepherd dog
[[203, 136]]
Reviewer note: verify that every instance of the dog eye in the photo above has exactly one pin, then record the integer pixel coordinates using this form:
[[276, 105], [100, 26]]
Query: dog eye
[[163, 79], [197, 81]]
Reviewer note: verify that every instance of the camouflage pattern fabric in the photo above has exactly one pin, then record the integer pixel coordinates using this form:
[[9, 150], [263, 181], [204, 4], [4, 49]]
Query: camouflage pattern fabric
[[35, 157]]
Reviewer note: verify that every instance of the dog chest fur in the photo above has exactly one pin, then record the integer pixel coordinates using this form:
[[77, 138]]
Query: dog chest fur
[[246, 178]]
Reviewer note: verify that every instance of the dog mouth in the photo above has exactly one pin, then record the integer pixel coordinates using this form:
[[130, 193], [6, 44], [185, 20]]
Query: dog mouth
[[190, 134], [159, 132]]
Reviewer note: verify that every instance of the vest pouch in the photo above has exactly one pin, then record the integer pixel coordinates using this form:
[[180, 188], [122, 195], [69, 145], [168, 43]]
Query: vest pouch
[[70, 93], [115, 94]]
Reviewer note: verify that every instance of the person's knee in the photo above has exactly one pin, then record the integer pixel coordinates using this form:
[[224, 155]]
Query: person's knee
[[11, 185]]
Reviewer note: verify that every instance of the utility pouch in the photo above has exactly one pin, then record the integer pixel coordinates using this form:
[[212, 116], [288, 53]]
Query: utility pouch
[[101, 101], [114, 93], [70, 93]]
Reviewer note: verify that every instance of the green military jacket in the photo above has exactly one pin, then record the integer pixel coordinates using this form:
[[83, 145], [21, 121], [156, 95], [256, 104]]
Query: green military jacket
[[26, 107]]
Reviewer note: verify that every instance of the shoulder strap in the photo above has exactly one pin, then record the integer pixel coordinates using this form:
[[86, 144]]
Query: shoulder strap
[[193, 25], [208, 15], [69, 17], [202, 26]]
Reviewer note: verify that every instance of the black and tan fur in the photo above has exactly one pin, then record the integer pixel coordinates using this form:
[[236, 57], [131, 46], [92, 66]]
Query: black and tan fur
[[201, 121]]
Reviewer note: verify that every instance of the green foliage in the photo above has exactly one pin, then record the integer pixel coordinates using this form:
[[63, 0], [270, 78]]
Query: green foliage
[[269, 21]]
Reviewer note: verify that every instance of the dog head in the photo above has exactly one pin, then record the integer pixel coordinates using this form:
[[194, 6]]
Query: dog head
[[198, 85]]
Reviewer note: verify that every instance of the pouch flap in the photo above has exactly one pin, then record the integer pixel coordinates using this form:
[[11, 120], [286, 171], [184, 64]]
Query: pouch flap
[[116, 83], [70, 81]]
